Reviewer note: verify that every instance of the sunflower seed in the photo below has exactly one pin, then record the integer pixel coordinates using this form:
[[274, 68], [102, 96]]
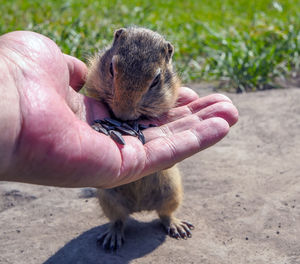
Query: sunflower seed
[[141, 137], [98, 121], [127, 126], [95, 127], [117, 137], [126, 131], [142, 126], [135, 126], [113, 122], [99, 128], [108, 127], [103, 131]]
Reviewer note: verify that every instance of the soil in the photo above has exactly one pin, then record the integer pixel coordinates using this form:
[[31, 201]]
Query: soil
[[242, 195]]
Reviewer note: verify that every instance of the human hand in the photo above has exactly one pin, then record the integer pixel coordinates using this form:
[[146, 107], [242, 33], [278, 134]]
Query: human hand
[[45, 133]]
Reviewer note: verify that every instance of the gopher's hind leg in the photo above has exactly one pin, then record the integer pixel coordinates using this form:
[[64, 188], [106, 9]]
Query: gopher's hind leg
[[113, 238], [176, 228], [173, 196]]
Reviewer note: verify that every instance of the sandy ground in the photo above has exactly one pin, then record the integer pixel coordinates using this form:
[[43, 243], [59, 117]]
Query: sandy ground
[[243, 196]]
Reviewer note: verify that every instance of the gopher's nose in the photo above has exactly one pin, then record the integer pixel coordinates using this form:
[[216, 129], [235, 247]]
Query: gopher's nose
[[126, 102], [125, 115]]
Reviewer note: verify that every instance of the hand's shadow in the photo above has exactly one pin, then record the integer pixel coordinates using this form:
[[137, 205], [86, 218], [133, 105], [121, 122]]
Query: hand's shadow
[[140, 239]]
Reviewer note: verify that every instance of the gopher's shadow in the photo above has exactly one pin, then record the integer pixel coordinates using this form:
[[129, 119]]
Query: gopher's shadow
[[140, 239]]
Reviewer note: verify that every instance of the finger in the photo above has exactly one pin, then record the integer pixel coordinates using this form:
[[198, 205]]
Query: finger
[[225, 110], [163, 152], [77, 72], [185, 96], [193, 107]]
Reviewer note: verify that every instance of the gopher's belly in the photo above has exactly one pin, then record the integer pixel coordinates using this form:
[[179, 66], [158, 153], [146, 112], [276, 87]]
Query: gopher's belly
[[148, 193]]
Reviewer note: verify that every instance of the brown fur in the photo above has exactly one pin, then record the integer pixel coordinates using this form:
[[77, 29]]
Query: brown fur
[[137, 55], [135, 78]]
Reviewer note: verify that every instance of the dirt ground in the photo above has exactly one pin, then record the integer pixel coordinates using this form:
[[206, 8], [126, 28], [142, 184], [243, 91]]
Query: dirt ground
[[242, 195]]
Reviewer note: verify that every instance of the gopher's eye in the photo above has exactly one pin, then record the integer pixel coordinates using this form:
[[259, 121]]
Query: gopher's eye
[[155, 81], [111, 70]]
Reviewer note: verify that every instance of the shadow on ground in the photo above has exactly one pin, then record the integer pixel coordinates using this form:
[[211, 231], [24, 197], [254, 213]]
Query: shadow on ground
[[141, 239]]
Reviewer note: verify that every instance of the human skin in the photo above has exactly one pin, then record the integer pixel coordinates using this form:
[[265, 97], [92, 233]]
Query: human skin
[[45, 133]]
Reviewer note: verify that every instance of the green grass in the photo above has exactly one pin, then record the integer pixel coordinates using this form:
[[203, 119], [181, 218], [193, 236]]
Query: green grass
[[245, 44]]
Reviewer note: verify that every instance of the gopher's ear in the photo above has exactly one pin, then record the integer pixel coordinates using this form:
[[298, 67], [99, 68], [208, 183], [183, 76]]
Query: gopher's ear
[[118, 33], [170, 50]]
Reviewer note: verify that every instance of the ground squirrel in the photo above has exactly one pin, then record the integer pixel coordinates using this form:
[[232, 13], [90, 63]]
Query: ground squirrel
[[134, 77]]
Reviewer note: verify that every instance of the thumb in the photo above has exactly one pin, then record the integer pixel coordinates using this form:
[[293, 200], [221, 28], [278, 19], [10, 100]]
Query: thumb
[[77, 72]]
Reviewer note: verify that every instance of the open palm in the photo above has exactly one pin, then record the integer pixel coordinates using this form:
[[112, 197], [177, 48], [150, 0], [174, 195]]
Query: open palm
[[45, 123]]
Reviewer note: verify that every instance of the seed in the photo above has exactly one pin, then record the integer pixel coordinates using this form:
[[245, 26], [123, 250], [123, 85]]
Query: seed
[[103, 130], [135, 126], [126, 131], [142, 126], [117, 137], [95, 127], [98, 121], [142, 137], [99, 128], [108, 127], [112, 122], [127, 126]]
